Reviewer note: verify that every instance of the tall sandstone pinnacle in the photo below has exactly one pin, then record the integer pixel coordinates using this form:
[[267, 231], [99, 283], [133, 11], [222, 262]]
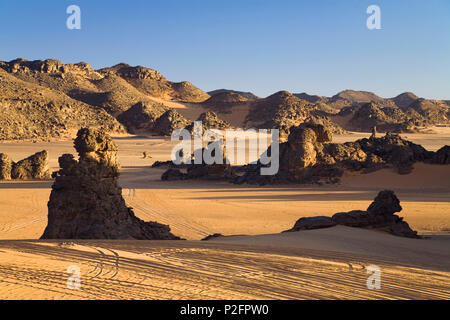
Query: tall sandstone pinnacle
[[86, 201]]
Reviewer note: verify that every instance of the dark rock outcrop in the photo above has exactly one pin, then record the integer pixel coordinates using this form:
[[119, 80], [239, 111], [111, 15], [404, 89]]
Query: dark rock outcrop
[[394, 150], [303, 159], [442, 156], [313, 223], [379, 216], [5, 167], [386, 203], [308, 156], [86, 201], [34, 167]]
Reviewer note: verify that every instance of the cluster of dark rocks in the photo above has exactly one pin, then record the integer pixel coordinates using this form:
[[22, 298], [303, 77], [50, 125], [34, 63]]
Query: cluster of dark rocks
[[198, 171], [34, 167], [309, 156], [380, 215], [86, 201]]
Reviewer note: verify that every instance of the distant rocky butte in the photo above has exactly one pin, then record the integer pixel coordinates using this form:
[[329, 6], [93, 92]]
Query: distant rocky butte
[[247, 95], [86, 201]]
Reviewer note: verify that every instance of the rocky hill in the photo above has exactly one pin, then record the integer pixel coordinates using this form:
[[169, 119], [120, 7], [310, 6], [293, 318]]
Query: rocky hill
[[246, 95], [116, 88], [29, 111], [141, 117], [152, 83], [45, 99], [223, 102], [284, 110], [48, 99]]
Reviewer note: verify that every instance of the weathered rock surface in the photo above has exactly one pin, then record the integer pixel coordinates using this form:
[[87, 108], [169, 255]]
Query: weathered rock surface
[[379, 216], [5, 167], [34, 167], [86, 201]]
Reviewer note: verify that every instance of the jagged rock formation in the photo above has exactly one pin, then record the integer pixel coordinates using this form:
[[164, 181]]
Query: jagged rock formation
[[86, 201], [379, 216], [5, 167], [33, 167], [170, 121], [393, 150], [308, 156]]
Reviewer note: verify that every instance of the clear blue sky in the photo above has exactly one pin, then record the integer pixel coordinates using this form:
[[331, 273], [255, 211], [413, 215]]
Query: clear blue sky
[[320, 47]]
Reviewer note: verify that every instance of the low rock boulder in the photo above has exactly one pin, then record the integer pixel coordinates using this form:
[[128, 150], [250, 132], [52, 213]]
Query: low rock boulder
[[34, 167], [379, 216]]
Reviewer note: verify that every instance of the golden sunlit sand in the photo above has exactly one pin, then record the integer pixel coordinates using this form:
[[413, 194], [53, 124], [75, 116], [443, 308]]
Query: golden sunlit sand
[[259, 264]]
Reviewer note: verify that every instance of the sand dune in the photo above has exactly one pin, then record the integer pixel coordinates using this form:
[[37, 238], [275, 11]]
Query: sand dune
[[263, 264], [294, 266]]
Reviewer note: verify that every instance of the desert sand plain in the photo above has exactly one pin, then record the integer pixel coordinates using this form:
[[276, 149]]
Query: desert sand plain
[[256, 261]]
